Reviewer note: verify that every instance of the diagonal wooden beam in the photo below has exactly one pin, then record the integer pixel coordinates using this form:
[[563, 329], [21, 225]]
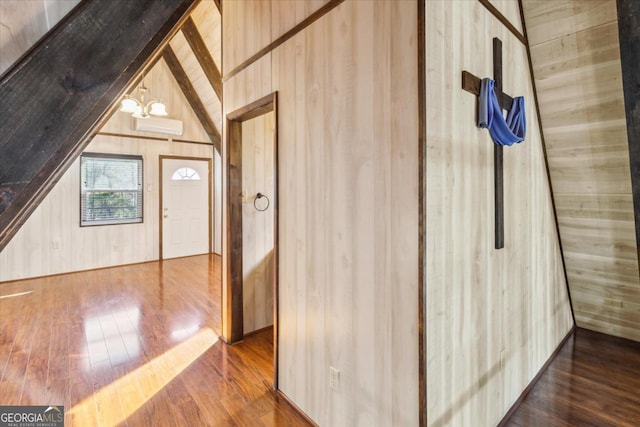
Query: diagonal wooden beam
[[66, 86], [629, 36], [192, 96], [202, 54]]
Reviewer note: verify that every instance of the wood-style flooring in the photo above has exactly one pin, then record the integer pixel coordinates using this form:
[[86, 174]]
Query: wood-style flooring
[[594, 381], [135, 346]]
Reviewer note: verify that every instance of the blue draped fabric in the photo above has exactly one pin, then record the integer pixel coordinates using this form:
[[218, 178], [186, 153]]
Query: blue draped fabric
[[503, 132]]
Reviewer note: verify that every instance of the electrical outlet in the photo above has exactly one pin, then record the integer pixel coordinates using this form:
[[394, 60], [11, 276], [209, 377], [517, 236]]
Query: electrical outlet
[[334, 378]]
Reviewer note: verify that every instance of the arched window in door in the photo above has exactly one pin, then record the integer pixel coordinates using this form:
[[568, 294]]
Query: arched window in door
[[185, 174]]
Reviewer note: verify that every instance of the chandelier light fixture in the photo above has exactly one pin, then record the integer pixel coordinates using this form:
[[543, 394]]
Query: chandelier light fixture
[[141, 110]]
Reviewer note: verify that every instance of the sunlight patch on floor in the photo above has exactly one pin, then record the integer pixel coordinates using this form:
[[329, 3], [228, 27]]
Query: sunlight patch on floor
[[16, 294], [115, 402]]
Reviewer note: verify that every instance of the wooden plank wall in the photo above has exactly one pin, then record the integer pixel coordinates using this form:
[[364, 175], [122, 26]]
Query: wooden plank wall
[[288, 13], [51, 241], [493, 317], [576, 59], [22, 23], [269, 20], [235, 16], [511, 10], [348, 185], [258, 260]]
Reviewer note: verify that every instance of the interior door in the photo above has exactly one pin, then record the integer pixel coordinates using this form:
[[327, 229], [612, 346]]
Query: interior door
[[258, 222], [185, 207], [250, 253]]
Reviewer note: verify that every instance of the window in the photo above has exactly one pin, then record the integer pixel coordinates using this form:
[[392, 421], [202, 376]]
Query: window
[[110, 189], [185, 174]]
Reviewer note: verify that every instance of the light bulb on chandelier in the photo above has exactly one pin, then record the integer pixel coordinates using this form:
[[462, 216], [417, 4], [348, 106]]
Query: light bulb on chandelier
[[141, 110]]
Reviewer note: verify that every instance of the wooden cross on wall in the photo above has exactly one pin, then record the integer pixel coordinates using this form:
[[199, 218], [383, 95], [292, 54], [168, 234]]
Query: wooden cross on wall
[[471, 83]]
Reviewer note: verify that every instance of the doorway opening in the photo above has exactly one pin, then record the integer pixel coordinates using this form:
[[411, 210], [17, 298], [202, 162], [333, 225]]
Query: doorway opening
[[186, 214], [250, 250]]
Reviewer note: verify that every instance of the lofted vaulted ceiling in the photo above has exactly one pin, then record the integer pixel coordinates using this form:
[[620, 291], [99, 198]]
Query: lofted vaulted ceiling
[[28, 30]]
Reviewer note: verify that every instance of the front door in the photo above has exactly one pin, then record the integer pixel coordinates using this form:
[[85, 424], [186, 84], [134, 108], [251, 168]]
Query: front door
[[185, 207]]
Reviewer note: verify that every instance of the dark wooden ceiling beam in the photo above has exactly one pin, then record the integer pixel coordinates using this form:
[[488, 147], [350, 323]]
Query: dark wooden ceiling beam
[[629, 35], [65, 87], [191, 95], [202, 54]]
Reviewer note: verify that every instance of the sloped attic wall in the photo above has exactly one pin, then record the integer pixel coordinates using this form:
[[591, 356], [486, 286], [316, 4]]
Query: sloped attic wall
[[493, 317], [576, 59]]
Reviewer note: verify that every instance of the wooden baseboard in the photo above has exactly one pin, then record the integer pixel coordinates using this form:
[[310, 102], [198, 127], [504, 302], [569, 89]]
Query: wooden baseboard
[[257, 331], [281, 395], [24, 279], [248, 334], [224, 340], [535, 379], [44, 276]]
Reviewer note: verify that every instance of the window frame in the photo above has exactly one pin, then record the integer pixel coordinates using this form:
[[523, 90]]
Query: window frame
[[187, 168], [115, 221]]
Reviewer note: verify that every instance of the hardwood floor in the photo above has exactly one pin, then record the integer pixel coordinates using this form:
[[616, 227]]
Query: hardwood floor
[[135, 346], [594, 381]]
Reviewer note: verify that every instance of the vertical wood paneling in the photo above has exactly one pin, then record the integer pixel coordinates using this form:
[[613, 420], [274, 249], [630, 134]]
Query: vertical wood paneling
[[510, 10], [348, 208], [576, 59], [483, 302], [253, 84], [22, 23], [286, 14], [258, 174], [261, 22], [252, 19]]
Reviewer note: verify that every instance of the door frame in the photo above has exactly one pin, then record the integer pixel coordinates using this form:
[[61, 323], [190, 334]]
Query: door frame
[[160, 197], [232, 308]]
